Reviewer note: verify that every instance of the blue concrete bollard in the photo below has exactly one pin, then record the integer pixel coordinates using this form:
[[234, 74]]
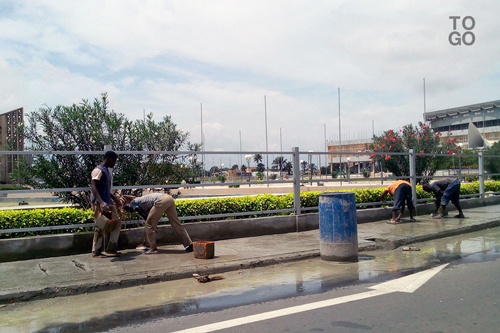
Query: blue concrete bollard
[[338, 229]]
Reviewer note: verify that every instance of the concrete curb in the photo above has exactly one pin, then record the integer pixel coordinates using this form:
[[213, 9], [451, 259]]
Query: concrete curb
[[36, 247]]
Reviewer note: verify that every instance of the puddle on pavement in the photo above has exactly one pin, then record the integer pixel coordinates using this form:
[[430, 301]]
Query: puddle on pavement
[[107, 309]]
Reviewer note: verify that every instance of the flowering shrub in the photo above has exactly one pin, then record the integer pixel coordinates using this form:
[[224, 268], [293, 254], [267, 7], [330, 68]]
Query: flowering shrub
[[422, 139]]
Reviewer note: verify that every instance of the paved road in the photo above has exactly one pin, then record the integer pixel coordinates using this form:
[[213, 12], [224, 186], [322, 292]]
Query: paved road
[[463, 297], [466, 287]]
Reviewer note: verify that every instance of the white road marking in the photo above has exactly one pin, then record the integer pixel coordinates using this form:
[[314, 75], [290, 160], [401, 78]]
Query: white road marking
[[407, 284]]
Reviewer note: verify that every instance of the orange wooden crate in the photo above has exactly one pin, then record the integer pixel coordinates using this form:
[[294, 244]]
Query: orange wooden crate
[[204, 249]]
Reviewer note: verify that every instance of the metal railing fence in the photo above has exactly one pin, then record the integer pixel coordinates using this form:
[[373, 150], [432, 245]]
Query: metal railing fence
[[296, 181]]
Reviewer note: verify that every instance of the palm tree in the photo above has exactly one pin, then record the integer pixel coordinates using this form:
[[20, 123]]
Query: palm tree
[[257, 158], [288, 167], [279, 162]]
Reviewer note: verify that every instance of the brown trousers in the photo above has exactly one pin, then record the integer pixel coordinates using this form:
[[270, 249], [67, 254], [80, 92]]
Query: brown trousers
[[97, 244], [165, 204]]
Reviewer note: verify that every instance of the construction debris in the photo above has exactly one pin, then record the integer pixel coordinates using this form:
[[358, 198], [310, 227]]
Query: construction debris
[[206, 278]]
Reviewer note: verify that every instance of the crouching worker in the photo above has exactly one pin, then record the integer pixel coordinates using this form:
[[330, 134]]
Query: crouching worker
[[102, 201], [401, 191], [445, 190], [151, 207]]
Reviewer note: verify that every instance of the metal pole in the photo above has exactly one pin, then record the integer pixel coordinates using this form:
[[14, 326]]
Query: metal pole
[[460, 167], [296, 180], [340, 144], [481, 175], [425, 108], [241, 160], [267, 147], [202, 142], [281, 157], [326, 156], [381, 173], [413, 177]]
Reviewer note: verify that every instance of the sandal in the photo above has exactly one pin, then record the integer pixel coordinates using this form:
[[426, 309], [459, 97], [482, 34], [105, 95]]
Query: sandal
[[392, 222], [151, 252], [98, 255]]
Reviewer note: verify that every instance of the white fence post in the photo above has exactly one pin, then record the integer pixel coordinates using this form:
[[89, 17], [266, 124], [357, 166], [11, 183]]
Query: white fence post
[[296, 180], [413, 177], [481, 175]]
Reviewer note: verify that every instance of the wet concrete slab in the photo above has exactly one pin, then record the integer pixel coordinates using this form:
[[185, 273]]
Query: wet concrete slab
[[80, 274]]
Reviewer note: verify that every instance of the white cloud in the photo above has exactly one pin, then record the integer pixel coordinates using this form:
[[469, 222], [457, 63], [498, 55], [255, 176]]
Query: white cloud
[[168, 57]]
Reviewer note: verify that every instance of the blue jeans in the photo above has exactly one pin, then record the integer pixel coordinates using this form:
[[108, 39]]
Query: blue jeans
[[452, 193]]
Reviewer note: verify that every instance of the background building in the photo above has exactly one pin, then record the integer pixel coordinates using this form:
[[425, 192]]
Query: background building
[[485, 116], [10, 140], [355, 162]]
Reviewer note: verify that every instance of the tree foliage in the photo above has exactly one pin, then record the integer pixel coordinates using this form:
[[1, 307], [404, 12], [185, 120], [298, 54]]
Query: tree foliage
[[492, 164], [288, 168], [279, 163], [257, 158], [422, 139], [89, 126]]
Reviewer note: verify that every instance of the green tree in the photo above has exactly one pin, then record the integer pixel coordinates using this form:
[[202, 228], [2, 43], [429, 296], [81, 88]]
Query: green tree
[[278, 163], [89, 126], [261, 167], [492, 164], [257, 158], [288, 167], [472, 161], [421, 139]]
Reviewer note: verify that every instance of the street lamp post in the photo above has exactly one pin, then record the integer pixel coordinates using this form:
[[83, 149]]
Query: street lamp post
[[303, 168], [309, 158], [192, 161], [248, 158]]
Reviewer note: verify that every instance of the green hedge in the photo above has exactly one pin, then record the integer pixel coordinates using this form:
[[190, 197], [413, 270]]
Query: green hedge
[[13, 219]]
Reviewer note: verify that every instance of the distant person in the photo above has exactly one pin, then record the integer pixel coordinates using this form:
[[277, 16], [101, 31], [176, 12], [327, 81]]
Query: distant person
[[151, 207], [401, 191], [445, 190], [102, 201]]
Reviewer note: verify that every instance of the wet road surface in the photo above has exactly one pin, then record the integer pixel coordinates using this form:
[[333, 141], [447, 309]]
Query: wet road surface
[[132, 307]]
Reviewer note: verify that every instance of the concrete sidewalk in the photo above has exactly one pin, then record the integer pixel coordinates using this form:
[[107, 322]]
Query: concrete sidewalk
[[77, 274]]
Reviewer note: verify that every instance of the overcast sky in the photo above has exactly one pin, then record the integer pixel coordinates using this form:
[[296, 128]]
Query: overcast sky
[[167, 57]]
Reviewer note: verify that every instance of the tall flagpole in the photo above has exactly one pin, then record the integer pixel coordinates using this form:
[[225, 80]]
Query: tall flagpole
[[340, 144], [281, 151], [267, 147], [425, 109], [202, 141]]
